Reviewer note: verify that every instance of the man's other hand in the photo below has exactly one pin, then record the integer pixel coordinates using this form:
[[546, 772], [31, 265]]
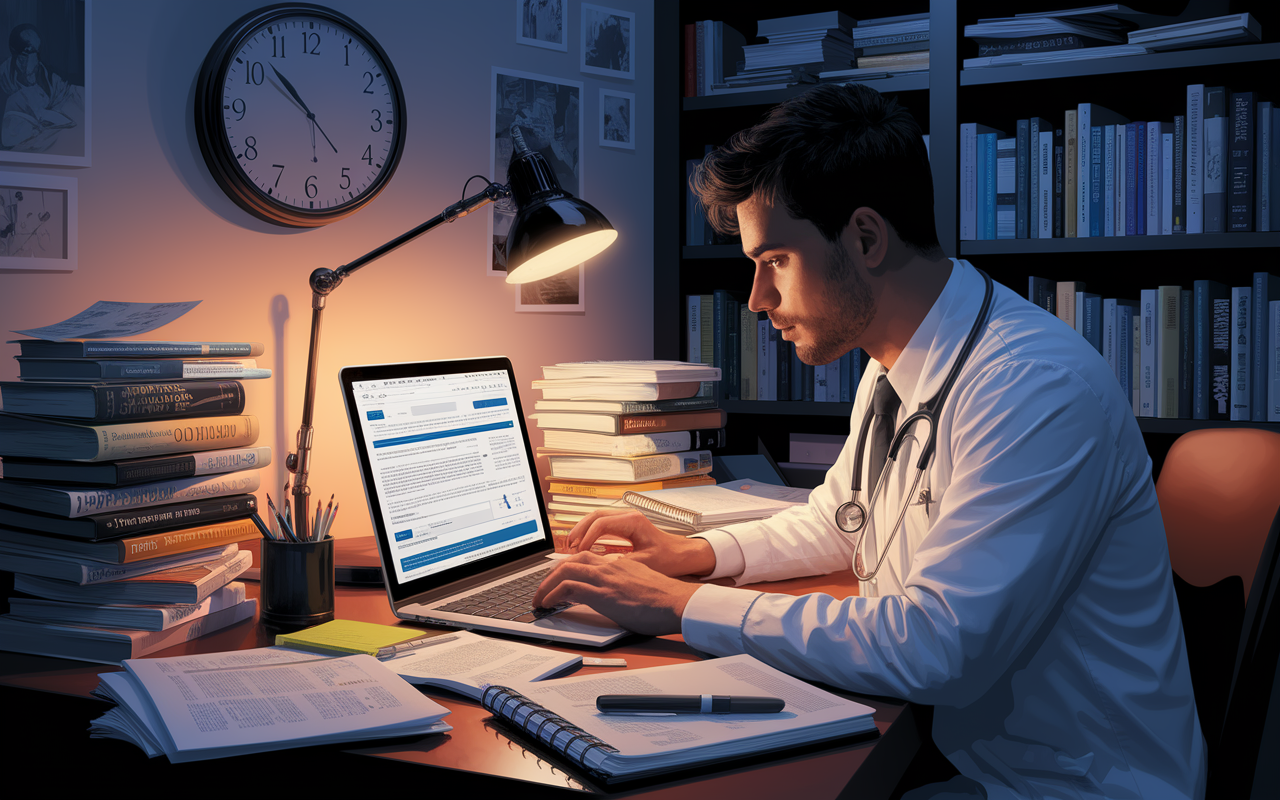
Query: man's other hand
[[662, 552], [623, 589]]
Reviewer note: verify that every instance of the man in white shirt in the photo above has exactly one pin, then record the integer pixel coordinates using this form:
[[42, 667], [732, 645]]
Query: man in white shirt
[[1027, 595]]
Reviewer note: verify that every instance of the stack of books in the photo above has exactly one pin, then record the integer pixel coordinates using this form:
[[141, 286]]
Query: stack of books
[[1030, 36], [617, 426], [813, 42], [126, 484]]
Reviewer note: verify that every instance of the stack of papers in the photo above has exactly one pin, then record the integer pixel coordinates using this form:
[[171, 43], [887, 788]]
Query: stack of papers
[[702, 508], [1230, 29]]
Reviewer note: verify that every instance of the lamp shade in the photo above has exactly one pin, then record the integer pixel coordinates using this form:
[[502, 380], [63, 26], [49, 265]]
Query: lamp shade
[[553, 230]]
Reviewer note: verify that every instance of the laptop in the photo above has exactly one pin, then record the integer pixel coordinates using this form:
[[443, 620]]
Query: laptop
[[457, 512]]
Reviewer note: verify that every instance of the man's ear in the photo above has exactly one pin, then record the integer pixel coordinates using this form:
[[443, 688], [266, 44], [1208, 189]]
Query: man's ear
[[868, 236]]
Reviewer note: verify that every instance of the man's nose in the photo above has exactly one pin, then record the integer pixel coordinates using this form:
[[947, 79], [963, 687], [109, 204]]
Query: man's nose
[[764, 294]]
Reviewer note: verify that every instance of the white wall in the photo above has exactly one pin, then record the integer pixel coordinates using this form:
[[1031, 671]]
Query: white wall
[[155, 227]]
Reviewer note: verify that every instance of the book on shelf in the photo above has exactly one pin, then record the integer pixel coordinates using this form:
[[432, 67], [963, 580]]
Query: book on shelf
[[1152, 181], [970, 196], [629, 372], [595, 390], [185, 579], [154, 617], [600, 491], [1087, 115], [1059, 181], [1071, 184], [1211, 311], [1122, 179], [37, 437], [1007, 188], [1149, 356], [111, 645], [135, 548], [1262, 182], [1177, 181], [1273, 363], [168, 706], [913, 60], [1067, 292], [987, 184], [155, 369], [82, 501], [119, 402], [1273, 171], [717, 49], [76, 569], [134, 348], [135, 470], [632, 423], [1040, 178], [1241, 177], [1265, 290], [1169, 349], [1216, 159], [1186, 353], [1108, 169], [1241, 352], [1166, 178], [99, 527], [1222, 30], [1054, 56], [1042, 292], [1195, 158], [703, 508], [747, 341], [634, 444], [614, 751], [698, 403], [630, 469]]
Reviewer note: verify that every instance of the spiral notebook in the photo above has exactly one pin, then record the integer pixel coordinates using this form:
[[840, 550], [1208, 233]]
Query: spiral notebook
[[561, 715], [701, 508]]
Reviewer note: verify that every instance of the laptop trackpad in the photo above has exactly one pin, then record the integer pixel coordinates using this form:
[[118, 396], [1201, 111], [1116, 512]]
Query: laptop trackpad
[[578, 619]]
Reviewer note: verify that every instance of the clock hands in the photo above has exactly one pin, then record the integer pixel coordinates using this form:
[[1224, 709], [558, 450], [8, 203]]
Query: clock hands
[[305, 110]]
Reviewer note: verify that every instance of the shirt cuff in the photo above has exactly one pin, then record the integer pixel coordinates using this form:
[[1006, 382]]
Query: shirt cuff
[[729, 559], [713, 619]]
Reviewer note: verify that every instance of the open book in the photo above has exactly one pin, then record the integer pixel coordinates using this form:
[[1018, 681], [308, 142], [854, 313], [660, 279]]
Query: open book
[[194, 707], [561, 714], [701, 508], [466, 663]]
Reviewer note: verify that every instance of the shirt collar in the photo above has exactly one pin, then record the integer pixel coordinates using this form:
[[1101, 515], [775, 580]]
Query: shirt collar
[[927, 357]]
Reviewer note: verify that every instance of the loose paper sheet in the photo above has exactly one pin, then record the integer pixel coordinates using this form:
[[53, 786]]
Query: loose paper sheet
[[110, 319]]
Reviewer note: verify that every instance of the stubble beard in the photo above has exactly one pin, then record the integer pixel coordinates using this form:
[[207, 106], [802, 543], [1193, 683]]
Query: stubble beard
[[851, 308]]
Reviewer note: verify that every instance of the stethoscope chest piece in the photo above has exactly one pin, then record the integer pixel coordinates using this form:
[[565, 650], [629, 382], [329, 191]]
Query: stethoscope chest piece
[[851, 517]]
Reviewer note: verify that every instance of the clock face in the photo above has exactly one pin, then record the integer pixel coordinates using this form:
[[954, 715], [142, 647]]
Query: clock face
[[300, 115]]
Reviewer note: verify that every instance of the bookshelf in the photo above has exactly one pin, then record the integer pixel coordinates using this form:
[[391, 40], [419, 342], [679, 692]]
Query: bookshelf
[[1140, 87]]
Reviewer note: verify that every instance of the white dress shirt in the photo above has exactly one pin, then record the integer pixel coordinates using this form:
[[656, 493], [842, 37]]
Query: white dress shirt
[[1028, 596]]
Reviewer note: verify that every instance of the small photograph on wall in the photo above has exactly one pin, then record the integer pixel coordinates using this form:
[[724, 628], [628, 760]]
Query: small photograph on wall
[[541, 24], [37, 222], [608, 41], [548, 112], [617, 119], [45, 82]]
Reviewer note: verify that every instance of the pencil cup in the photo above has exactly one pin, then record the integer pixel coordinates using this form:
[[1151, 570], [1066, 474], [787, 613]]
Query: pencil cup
[[297, 583]]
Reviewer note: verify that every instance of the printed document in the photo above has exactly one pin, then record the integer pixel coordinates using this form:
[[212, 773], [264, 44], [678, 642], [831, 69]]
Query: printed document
[[466, 663], [107, 319]]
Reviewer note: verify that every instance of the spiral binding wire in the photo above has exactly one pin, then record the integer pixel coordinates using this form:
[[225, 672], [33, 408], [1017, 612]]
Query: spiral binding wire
[[560, 724]]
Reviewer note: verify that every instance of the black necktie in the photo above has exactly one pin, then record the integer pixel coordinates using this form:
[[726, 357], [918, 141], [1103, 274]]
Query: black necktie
[[884, 404]]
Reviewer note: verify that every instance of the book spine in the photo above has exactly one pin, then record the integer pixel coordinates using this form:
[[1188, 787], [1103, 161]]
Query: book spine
[[1195, 158], [1220, 408], [1130, 179], [1096, 214], [986, 200], [205, 510], [105, 349], [1273, 364], [1122, 186], [1184, 355], [1262, 185], [1166, 179], [719, 299], [1084, 152], [1148, 365], [693, 329], [764, 375], [1241, 351], [1274, 182], [147, 401], [1109, 333], [1066, 301], [1023, 188], [211, 462], [733, 349], [1044, 185], [1092, 321], [1136, 361], [1042, 292], [1202, 347], [178, 369], [1109, 180], [1141, 178], [747, 348], [1179, 174], [1124, 350], [1030, 44], [1266, 287], [682, 421], [893, 38], [81, 503], [129, 440], [968, 181], [807, 380], [1152, 198], [690, 61], [1168, 308], [797, 372], [1007, 188], [185, 540], [1059, 181], [1240, 201], [1216, 154], [700, 57], [1071, 187], [153, 641], [782, 362]]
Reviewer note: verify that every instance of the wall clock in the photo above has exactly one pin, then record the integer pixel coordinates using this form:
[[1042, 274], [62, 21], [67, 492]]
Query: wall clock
[[299, 115]]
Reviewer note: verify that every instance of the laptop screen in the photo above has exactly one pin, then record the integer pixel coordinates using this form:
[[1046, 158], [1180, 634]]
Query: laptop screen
[[447, 466]]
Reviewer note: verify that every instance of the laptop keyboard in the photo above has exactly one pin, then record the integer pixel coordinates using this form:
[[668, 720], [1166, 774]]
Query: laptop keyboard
[[512, 600]]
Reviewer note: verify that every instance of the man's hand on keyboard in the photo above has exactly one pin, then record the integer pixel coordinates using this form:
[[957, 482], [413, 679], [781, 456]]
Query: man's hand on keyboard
[[623, 589]]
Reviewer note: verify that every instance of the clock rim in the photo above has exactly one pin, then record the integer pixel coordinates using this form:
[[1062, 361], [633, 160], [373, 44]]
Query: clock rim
[[216, 148]]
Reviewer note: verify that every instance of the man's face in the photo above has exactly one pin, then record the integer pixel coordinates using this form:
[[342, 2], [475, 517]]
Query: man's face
[[29, 58], [812, 289]]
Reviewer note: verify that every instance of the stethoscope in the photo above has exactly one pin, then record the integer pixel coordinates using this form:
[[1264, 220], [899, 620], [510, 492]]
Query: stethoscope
[[852, 516]]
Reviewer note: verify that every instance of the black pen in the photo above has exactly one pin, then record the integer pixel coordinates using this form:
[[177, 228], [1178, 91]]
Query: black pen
[[686, 704], [266, 533]]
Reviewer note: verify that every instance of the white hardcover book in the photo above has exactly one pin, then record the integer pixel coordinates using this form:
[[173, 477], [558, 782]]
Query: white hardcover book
[[1195, 158], [1153, 178], [1122, 184], [1149, 358], [1109, 180], [1262, 203], [1273, 364], [693, 330], [1044, 217], [1241, 351], [1166, 182], [1109, 332]]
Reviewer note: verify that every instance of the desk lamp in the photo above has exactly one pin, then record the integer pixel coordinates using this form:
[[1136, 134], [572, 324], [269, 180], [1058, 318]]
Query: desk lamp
[[552, 231]]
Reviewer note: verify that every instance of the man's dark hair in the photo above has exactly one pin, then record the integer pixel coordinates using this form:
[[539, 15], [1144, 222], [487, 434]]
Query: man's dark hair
[[821, 156]]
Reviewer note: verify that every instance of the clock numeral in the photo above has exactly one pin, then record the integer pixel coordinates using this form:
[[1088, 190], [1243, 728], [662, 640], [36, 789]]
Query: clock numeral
[[237, 106], [377, 120], [346, 55], [254, 74], [278, 174], [273, 47], [346, 179], [306, 39], [368, 155], [367, 90], [250, 148], [312, 191]]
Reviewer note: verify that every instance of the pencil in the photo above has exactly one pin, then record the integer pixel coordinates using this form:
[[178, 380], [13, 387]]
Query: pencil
[[331, 519], [266, 534], [284, 526], [324, 521], [315, 528]]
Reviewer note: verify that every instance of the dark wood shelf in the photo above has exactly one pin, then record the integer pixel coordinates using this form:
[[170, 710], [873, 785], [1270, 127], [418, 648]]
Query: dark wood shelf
[[1095, 244], [1176, 59], [901, 82]]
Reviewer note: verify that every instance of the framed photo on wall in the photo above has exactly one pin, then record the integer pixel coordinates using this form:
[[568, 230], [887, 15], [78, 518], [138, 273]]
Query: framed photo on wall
[[617, 119], [45, 82], [549, 113], [541, 23], [608, 42], [38, 222]]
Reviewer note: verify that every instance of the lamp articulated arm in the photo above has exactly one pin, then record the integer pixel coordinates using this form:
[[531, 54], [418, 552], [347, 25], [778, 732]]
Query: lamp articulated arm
[[324, 281]]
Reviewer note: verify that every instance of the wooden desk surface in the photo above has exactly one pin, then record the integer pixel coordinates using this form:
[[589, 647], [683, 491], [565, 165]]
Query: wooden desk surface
[[478, 749]]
